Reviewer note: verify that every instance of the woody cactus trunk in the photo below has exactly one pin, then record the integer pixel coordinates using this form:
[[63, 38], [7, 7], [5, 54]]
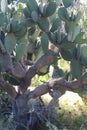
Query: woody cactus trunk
[[34, 35]]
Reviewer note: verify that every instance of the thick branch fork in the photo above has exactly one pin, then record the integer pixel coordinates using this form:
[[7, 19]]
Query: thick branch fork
[[25, 82], [44, 88], [55, 83], [46, 59]]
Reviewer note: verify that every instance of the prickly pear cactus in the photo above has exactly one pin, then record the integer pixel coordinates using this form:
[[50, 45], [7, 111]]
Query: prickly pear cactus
[[30, 29], [30, 26]]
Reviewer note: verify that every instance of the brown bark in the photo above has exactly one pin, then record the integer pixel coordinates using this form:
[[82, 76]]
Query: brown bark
[[46, 87], [55, 83], [18, 71], [28, 62], [46, 59], [8, 88]]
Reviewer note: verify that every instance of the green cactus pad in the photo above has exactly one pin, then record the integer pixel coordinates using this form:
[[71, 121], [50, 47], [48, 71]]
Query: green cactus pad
[[34, 16], [20, 50], [83, 53], [55, 25], [26, 12], [29, 22], [79, 38], [72, 30], [67, 45], [63, 14], [76, 68], [78, 16], [15, 26], [10, 42], [21, 32], [2, 19], [23, 1], [44, 42], [70, 26], [66, 54], [67, 3], [32, 5], [43, 24], [76, 32], [50, 9], [54, 37]]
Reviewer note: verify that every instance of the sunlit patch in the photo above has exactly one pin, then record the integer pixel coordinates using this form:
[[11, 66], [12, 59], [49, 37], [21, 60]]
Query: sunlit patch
[[71, 104], [72, 110], [84, 2], [16, 88], [70, 98]]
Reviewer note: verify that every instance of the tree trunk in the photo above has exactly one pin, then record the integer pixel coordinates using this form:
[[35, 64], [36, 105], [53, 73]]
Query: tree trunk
[[21, 113], [25, 120]]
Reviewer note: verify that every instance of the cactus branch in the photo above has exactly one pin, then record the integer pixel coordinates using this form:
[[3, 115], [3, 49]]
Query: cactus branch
[[8, 88], [54, 83], [46, 59]]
